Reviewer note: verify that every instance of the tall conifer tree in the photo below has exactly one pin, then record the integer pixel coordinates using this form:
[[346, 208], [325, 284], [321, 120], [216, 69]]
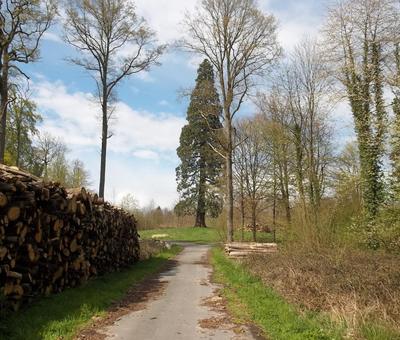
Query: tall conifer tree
[[201, 167]]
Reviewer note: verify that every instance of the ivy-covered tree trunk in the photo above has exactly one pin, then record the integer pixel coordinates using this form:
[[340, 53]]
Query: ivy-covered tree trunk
[[395, 154], [366, 99], [361, 34], [395, 132]]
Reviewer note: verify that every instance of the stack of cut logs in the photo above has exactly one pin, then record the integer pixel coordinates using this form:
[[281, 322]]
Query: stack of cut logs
[[52, 238], [243, 249]]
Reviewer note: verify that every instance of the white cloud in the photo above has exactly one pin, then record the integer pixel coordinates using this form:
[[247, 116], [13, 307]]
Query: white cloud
[[73, 117], [145, 76], [51, 36], [146, 154], [165, 16], [163, 103], [296, 18], [145, 183]]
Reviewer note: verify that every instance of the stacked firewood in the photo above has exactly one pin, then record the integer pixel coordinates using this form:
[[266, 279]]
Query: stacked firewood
[[243, 249], [52, 238]]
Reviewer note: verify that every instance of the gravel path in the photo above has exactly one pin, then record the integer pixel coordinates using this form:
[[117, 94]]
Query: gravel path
[[187, 308]]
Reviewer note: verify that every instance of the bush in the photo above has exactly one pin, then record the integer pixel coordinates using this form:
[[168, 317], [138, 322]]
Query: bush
[[381, 233]]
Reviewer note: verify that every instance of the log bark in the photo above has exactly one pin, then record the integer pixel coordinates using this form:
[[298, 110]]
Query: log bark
[[52, 239]]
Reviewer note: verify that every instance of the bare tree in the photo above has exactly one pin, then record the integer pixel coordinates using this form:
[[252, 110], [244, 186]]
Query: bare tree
[[129, 203], [48, 149], [115, 43], [278, 144], [240, 41], [78, 176], [253, 164], [22, 25], [239, 180], [303, 90], [314, 95]]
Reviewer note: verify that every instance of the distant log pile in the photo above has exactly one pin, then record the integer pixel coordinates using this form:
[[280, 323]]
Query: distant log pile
[[52, 239], [243, 249], [259, 228]]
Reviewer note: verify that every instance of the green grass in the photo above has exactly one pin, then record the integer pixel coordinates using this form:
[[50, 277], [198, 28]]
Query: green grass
[[200, 235], [250, 300], [61, 316], [372, 330]]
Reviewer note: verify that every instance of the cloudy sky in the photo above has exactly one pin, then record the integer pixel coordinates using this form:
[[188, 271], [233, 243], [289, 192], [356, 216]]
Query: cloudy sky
[[149, 115]]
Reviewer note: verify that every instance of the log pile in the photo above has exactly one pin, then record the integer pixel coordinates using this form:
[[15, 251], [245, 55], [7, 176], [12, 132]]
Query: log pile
[[243, 249], [52, 239]]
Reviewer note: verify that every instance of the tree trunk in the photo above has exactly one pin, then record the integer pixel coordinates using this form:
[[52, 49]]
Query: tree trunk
[[104, 139], [229, 176], [274, 213], [3, 105], [242, 203], [18, 156], [200, 219], [201, 201], [254, 220]]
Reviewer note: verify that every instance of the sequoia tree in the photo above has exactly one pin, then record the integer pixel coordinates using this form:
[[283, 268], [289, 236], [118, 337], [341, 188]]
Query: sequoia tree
[[200, 168]]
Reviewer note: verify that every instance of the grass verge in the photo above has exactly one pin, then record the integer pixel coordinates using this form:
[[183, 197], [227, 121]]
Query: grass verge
[[250, 300], [200, 235], [358, 288], [61, 316]]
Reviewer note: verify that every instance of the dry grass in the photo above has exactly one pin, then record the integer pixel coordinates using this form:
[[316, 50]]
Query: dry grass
[[361, 289]]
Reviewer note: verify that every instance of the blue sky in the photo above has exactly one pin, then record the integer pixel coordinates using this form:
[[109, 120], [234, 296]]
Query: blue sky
[[149, 115]]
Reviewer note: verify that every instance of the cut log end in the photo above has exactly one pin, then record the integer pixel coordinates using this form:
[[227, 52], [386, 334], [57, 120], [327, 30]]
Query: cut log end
[[13, 213]]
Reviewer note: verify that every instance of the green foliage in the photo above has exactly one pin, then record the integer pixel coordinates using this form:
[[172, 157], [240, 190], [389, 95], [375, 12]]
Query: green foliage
[[58, 168], [22, 120], [381, 233], [200, 170], [249, 299], [48, 159], [78, 176], [61, 316]]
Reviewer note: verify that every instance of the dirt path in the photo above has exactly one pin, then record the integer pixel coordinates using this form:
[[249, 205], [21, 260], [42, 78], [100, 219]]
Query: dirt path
[[186, 308]]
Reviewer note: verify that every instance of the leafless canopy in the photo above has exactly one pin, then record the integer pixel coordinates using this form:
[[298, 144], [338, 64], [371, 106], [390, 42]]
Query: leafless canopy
[[22, 25], [115, 42], [352, 27], [238, 39]]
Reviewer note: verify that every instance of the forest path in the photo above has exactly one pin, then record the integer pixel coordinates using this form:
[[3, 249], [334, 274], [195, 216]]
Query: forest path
[[187, 308]]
